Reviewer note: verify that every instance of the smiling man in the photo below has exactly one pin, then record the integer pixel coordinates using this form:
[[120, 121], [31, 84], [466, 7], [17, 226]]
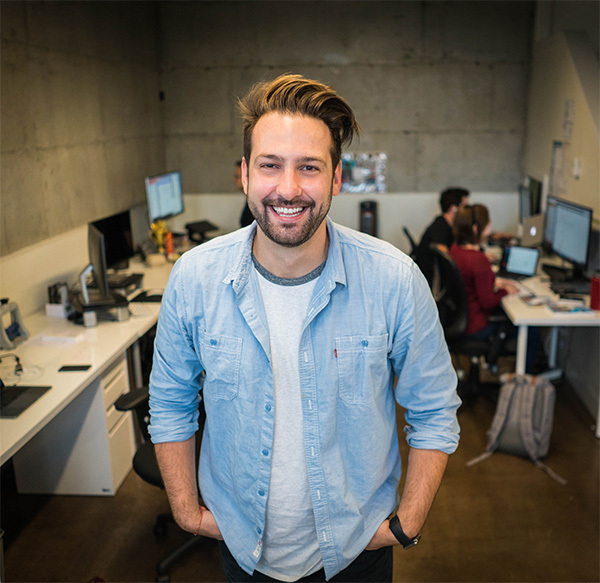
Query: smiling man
[[293, 331]]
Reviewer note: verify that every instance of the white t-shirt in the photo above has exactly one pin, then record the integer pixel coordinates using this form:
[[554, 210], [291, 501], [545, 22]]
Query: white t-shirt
[[290, 544]]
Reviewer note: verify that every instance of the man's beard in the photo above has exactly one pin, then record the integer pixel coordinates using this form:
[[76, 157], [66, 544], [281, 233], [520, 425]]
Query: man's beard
[[290, 234]]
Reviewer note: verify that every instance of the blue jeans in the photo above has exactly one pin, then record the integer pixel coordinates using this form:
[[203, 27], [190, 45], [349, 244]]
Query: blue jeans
[[534, 340], [368, 567]]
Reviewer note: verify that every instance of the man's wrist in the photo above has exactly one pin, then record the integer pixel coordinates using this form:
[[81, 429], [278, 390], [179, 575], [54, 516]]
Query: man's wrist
[[399, 534]]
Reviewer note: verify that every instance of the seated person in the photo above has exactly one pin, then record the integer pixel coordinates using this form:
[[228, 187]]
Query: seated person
[[440, 231], [472, 226]]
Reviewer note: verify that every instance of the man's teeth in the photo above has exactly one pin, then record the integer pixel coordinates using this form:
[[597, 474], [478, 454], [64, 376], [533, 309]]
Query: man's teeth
[[288, 211]]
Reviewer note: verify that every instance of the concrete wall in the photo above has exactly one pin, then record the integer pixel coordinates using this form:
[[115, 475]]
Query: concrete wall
[[81, 122], [565, 70], [440, 86]]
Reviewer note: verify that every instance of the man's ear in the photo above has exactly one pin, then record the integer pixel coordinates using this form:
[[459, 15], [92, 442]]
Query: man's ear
[[337, 179], [244, 168]]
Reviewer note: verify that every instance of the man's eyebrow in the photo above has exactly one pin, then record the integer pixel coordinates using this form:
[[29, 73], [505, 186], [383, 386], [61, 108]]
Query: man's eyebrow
[[301, 160]]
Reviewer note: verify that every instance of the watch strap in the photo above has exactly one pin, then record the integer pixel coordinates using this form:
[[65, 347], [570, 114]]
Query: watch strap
[[400, 535]]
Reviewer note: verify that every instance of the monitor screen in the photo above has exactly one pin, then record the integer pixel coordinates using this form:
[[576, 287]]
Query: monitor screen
[[571, 232], [164, 196], [97, 256], [118, 239]]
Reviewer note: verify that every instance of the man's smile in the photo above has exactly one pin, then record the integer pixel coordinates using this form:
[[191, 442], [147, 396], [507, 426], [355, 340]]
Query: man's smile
[[288, 211]]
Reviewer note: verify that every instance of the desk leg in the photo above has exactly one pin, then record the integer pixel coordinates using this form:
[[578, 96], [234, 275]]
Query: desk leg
[[521, 350], [553, 347]]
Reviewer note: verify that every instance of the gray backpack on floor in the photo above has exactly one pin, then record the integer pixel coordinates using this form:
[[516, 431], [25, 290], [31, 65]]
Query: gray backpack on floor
[[522, 424]]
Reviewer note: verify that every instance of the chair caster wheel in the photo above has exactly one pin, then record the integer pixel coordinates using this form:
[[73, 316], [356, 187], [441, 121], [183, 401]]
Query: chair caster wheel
[[164, 578]]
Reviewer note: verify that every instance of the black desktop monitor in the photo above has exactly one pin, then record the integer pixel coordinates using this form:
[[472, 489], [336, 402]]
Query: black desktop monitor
[[530, 198], [570, 231], [524, 203], [118, 240], [97, 256], [164, 196], [549, 223]]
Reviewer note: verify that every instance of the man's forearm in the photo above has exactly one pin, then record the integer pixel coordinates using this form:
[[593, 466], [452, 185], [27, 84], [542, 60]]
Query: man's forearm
[[177, 464], [423, 477]]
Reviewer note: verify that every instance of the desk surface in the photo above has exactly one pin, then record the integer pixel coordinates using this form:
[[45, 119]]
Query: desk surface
[[54, 342], [522, 314]]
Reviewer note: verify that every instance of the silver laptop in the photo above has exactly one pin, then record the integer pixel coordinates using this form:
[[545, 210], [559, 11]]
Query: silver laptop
[[533, 231], [519, 262]]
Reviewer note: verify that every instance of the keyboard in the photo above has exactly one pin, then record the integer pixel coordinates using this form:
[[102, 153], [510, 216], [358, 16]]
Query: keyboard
[[140, 309], [576, 286]]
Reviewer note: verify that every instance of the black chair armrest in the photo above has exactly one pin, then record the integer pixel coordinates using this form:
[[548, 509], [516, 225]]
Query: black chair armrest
[[132, 399]]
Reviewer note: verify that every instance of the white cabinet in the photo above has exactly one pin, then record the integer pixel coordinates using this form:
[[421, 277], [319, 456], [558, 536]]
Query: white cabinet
[[87, 449]]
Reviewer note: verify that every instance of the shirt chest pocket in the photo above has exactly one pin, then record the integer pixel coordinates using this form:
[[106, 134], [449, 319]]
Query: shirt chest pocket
[[362, 367], [221, 356]]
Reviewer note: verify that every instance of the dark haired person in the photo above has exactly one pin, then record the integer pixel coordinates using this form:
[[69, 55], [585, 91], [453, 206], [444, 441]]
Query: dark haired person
[[439, 232], [300, 327], [472, 226]]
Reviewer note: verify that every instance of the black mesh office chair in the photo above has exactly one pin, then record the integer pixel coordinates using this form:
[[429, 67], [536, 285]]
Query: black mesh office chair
[[413, 245], [450, 295], [145, 466]]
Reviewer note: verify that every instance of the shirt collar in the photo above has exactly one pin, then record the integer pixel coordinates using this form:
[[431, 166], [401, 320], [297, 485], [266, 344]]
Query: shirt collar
[[240, 271]]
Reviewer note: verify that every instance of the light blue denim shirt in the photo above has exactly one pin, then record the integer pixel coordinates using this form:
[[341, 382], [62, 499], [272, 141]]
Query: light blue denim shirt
[[371, 317]]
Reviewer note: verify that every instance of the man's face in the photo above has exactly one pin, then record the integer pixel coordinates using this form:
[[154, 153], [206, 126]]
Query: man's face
[[289, 180]]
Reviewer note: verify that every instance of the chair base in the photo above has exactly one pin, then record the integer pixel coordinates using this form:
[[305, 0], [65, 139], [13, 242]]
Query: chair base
[[472, 387], [160, 529]]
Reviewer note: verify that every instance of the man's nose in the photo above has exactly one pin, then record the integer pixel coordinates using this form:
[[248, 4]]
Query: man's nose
[[289, 185]]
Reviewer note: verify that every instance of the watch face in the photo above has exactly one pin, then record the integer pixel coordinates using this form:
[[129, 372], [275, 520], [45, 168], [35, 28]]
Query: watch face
[[413, 542]]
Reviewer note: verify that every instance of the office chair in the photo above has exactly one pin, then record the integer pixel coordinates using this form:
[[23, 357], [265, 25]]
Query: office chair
[[449, 292], [146, 467], [413, 245]]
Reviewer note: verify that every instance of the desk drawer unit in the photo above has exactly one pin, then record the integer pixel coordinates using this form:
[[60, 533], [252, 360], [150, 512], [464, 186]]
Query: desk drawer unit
[[87, 449]]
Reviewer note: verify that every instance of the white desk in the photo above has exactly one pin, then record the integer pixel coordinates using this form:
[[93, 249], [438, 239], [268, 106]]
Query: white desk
[[523, 316], [103, 347]]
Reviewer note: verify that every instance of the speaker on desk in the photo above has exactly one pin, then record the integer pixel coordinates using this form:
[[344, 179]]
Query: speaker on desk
[[368, 217]]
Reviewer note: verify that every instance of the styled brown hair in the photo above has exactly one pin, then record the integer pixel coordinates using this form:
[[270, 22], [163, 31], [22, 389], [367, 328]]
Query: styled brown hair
[[294, 94], [466, 217]]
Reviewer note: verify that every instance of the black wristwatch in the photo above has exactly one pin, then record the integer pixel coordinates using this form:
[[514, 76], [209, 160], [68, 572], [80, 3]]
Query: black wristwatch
[[400, 535]]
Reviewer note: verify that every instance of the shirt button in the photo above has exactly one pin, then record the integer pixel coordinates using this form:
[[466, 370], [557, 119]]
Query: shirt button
[[265, 452], [213, 342], [365, 343], [259, 530], [261, 492], [268, 407]]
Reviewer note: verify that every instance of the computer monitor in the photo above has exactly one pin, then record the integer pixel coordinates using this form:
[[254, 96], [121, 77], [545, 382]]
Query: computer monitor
[[164, 196], [549, 223], [118, 240], [570, 231], [97, 256], [530, 198], [524, 203]]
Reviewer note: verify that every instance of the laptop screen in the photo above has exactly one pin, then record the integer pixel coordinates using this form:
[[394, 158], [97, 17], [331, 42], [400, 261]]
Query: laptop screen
[[522, 261]]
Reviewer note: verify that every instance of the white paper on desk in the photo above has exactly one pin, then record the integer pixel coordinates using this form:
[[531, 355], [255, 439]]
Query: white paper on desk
[[56, 337]]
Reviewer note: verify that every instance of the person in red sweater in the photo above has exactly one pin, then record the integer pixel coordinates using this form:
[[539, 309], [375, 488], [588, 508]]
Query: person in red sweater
[[472, 226]]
